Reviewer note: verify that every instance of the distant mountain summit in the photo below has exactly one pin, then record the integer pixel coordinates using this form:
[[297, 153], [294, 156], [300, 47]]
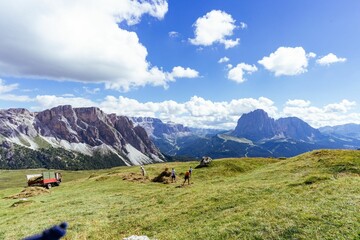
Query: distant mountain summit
[[168, 137], [350, 130], [295, 128], [258, 135], [157, 129], [257, 126], [84, 131]]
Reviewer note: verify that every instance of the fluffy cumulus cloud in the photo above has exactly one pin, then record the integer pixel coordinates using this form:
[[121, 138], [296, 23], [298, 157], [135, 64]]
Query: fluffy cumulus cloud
[[287, 61], [204, 113], [81, 41], [328, 115], [198, 111], [343, 107], [215, 27], [180, 72], [49, 101], [329, 59], [237, 73]]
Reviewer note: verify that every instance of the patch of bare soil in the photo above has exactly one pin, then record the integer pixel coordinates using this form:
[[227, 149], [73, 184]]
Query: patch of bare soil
[[22, 202], [29, 192], [135, 177]]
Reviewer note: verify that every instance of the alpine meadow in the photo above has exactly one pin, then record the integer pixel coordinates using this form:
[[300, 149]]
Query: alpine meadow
[[312, 196], [179, 119]]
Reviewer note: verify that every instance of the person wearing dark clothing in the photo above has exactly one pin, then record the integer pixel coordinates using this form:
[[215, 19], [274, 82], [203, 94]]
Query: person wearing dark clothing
[[187, 177]]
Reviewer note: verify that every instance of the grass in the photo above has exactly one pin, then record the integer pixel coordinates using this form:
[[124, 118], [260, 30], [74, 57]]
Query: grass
[[42, 143], [312, 196], [24, 142]]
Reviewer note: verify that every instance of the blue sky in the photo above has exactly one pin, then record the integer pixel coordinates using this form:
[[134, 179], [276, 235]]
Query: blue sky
[[196, 62]]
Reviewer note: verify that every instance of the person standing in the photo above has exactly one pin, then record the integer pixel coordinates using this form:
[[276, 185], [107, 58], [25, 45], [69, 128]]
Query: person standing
[[190, 170], [173, 175], [143, 172], [187, 177]]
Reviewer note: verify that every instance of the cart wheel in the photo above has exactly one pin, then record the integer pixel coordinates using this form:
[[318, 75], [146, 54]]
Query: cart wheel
[[48, 186]]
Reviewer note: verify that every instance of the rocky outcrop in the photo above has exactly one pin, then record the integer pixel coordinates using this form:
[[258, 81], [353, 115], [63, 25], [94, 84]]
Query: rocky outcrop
[[15, 121], [204, 162]]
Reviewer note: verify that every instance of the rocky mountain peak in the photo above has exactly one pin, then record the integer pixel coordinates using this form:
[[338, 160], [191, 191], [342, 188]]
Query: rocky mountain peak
[[255, 125], [157, 128], [296, 128], [21, 111], [79, 129]]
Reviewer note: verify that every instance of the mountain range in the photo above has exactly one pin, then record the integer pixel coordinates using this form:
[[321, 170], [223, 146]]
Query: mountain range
[[256, 135], [87, 138], [72, 138]]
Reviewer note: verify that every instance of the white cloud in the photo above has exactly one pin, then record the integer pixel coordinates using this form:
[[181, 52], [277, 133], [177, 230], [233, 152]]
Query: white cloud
[[243, 25], [223, 60], [5, 91], [173, 34], [78, 41], [194, 113], [229, 66], [286, 61], [7, 88], [328, 115], [91, 91], [200, 112], [237, 73], [311, 55], [298, 103], [215, 27], [180, 72], [229, 43], [15, 98], [343, 107], [329, 59], [68, 95], [50, 101]]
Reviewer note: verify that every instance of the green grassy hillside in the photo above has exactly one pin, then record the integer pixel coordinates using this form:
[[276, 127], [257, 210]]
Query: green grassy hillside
[[312, 196]]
